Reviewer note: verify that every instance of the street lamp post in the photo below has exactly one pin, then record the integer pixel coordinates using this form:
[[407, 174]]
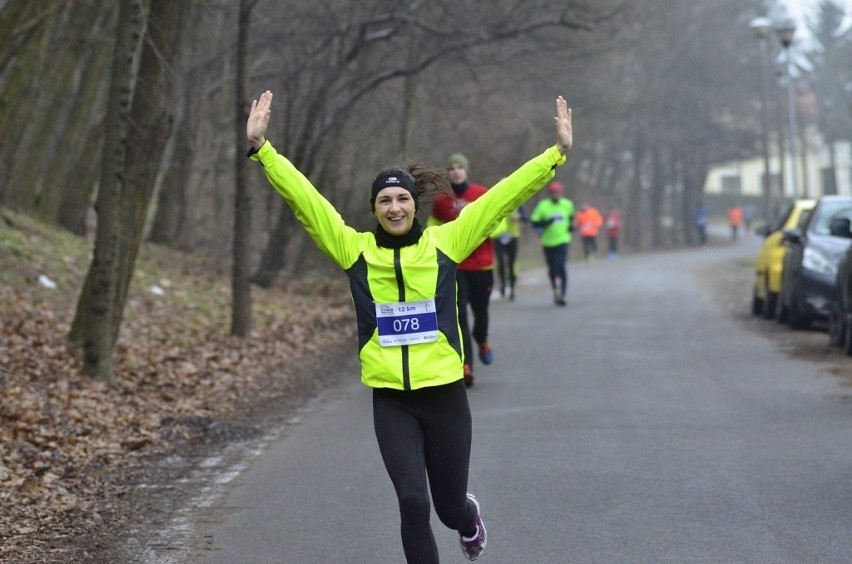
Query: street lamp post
[[785, 31], [761, 28]]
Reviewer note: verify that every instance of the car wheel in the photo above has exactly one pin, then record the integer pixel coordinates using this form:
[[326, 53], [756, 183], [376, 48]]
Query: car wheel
[[836, 326], [770, 305], [795, 318], [780, 310], [757, 304]]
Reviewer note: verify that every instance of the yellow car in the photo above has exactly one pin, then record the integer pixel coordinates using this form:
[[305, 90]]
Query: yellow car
[[770, 260]]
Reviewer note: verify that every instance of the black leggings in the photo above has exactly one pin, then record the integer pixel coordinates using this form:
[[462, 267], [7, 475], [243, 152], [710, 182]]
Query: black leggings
[[426, 432], [590, 245], [474, 287], [506, 254]]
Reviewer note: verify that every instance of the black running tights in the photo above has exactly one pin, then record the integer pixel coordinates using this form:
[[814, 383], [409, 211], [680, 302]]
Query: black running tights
[[474, 288], [426, 432]]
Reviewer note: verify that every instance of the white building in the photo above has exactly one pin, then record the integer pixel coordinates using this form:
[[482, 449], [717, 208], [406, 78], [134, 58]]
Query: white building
[[743, 180]]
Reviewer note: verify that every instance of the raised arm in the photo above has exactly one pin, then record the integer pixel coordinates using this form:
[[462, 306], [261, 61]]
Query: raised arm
[[479, 219], [258, 120], [322, 222]]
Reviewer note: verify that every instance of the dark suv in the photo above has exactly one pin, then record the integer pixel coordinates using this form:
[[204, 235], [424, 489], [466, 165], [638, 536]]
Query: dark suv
[[840, 310], [810, 266]]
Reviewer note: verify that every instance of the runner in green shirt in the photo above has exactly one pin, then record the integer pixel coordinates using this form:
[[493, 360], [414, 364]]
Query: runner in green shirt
[[553, 219]]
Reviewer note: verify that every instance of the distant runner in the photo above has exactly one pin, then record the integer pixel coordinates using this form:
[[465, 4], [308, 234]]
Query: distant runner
[[553, 218]]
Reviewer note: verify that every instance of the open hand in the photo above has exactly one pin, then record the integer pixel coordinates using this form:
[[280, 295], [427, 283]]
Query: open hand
[[258, 120], [564, 125]]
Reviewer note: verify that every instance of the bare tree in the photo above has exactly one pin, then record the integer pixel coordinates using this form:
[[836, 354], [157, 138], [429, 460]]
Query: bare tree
[[832, 76], [193, 200], [68, 179], [24, 77], [240, 286], [93, 324], [328, 75], [681, 100], [139, 106]]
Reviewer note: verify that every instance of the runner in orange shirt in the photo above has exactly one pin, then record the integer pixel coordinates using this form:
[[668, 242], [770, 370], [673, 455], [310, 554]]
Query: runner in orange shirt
[[588, 222]]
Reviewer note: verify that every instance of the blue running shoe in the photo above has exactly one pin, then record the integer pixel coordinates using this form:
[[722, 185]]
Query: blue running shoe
[[485, 353]]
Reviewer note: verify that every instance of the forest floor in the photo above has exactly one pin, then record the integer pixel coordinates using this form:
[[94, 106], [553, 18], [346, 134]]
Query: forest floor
[[74, 452]]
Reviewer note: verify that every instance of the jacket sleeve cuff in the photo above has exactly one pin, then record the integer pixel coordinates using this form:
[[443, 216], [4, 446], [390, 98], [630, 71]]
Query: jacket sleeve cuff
[[255, 154], [557, 158]]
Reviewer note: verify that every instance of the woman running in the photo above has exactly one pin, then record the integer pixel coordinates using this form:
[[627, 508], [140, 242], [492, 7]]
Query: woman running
[[402, 280]]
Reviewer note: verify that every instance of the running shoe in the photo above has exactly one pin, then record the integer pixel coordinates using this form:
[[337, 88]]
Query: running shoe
[[485, 353], [468, 376], [472, 547]]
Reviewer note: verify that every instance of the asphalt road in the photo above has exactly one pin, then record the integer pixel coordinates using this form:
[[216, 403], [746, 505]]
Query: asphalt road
[[641, 424]]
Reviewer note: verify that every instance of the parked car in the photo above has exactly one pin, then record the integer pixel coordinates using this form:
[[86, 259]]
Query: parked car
[[770, 259], [840, 310], [809, 271]]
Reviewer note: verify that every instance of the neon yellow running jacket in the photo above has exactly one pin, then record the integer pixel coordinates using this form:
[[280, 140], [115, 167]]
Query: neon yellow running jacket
[[423, 271]]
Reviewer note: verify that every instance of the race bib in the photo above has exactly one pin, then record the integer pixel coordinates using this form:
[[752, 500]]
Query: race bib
[[407, 323]]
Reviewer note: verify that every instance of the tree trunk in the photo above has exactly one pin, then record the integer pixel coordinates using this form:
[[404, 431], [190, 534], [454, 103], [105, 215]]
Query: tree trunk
[[409, 102], [64, 186], [11, 16], [171, 216], [803, 157], [830, 181], [676, 199], [687, 201], [172, 200], [20, 21], [634, 207], [273, 258], [150, 116], [19, 82], [658, 189], [47, 105], [94, 321], [240, 286], [77, 200], [171, 212], [694, 170]]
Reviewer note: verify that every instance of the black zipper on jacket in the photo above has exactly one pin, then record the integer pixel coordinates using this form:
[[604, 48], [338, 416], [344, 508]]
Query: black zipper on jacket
[[400, 283]]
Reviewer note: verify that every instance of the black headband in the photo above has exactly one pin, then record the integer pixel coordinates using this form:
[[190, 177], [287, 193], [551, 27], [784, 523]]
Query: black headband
[[382, 181]]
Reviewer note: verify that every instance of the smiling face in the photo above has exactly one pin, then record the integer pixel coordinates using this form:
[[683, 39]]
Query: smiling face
[[394, 209]]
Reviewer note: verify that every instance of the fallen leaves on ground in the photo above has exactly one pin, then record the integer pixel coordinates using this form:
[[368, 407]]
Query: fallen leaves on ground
[[65, 439]]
